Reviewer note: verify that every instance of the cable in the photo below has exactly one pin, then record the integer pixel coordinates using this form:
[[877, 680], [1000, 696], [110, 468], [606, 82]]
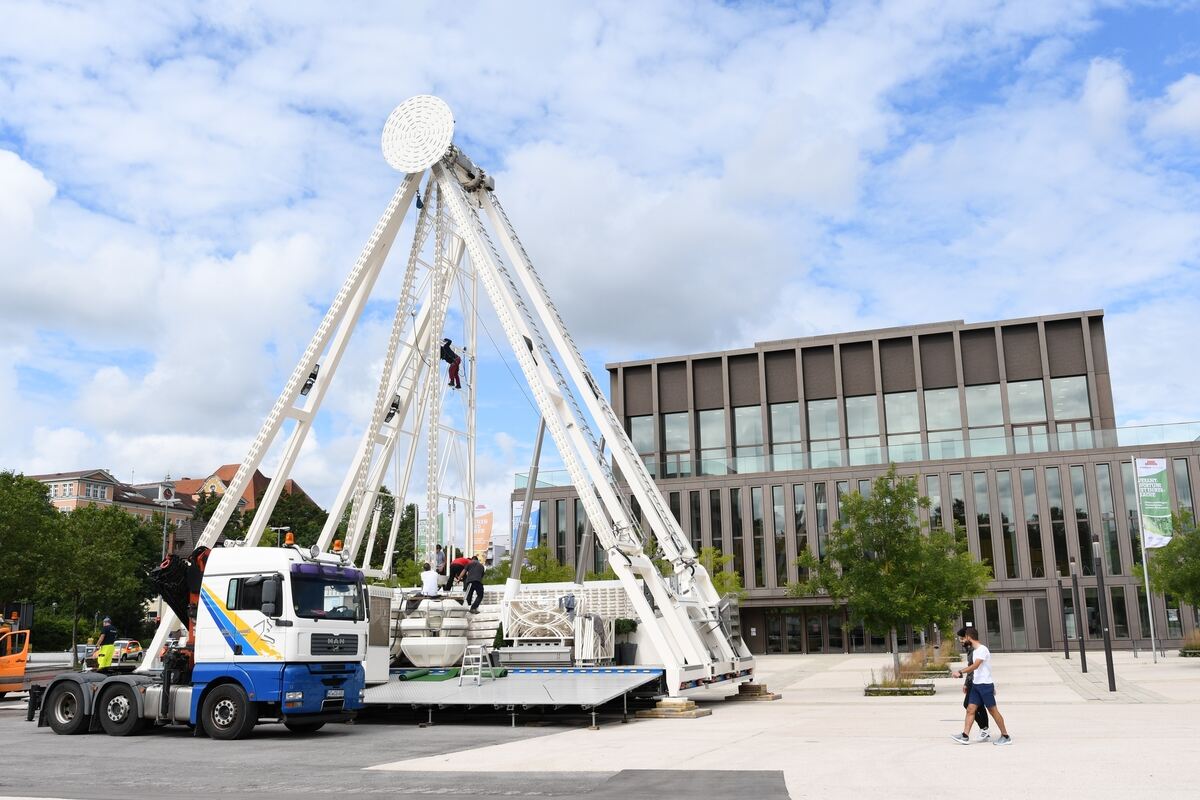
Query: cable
[[513, 375]]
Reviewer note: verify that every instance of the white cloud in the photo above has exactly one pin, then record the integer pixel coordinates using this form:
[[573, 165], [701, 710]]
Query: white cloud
[[1178, 113]]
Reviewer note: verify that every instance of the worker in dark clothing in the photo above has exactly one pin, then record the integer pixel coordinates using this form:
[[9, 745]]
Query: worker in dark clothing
[[452, 358], [106, 644], [473, 578], [981, 717]]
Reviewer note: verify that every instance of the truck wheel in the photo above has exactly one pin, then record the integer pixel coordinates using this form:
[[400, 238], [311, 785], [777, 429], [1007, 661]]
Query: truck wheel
[[119, 712], [66, 710], [228, 713], [304, 727]]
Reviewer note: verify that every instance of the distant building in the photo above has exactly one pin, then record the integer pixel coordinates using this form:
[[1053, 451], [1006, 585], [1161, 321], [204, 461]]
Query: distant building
[[71, 490], [219, 481]]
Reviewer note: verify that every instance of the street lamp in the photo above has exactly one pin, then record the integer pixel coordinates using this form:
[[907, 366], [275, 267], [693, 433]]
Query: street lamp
[[1075, 602], [1062, 607], [1098, 560]]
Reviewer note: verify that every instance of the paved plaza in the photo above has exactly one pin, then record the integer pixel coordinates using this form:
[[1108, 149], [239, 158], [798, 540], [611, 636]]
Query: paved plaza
[[824, 739]]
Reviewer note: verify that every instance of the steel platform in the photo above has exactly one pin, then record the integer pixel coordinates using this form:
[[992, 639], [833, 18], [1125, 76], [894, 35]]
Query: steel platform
[[581, 687]]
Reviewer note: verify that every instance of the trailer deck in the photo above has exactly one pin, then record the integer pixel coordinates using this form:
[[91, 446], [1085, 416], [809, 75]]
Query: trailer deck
[[581, 687]]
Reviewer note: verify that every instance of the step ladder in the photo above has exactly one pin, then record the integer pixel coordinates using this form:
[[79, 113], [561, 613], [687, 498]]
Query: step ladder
[[475, 660]]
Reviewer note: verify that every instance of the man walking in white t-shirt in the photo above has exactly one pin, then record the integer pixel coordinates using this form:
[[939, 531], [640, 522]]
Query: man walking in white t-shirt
[[983, 690]]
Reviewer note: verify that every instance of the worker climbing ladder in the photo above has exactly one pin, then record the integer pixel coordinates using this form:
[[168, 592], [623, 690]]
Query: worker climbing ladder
[[475, 246]]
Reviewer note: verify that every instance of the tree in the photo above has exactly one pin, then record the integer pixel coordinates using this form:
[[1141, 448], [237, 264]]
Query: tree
[[297, 512], [888, 567], [1175, 569], [27, 524], [724, 580], [206, 506], [540, 567], [102, 559]]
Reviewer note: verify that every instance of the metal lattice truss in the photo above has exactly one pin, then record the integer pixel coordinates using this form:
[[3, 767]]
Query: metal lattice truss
[[474, 245]]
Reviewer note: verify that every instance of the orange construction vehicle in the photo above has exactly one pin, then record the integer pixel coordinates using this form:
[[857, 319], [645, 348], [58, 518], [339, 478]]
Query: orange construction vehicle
[[14, 648]]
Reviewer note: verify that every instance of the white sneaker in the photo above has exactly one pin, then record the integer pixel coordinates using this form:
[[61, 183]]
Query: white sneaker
[[984, 735]]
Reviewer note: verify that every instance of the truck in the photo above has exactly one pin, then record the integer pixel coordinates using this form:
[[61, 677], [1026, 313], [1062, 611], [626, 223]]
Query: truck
[[14, 646], [272, 634]]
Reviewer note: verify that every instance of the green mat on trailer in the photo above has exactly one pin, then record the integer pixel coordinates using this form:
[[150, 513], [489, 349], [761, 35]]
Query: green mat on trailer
[[429, 676]]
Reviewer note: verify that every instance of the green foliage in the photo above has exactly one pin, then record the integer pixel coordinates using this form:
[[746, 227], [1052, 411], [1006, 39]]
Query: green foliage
[[888, 567], [1175, 569], [540, 567], [724, 579], [206, 506], [27, 522], [295, 511], [624, 626]]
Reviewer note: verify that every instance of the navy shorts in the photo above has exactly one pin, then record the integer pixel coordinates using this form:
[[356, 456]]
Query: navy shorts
[[982, 694]]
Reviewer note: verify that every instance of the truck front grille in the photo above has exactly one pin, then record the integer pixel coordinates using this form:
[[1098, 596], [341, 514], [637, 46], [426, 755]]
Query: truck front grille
[[334, 644]]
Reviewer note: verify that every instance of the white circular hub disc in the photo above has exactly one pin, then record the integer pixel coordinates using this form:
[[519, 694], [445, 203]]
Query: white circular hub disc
[[418, 133]]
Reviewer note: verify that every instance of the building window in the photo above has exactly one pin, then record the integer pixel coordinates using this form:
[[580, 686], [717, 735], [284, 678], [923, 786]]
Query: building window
[[843, 489], [580, 525], [1183, 485], [738, 540], [544, 523], [748, 439], [983, 520], [779, 523], [862, 430], [560, 531], [694, 521], [714, 520], [824, 434], [712, 442], [641, 433], [958, 501], [1083, 528], [1108, 518], [1058, 524], [1133, 522], [821, 506], [1008, 534], [903, 426], [1016, 617], [1030, 438], [1027, 401], [985, 420], [1070, 398], [787, 449], [1120, 615], [943, 419], [991, 613], [1033, 524], [1074, 435], [933, 490], [53, 490], [673, 501], [800, 517], [677, 446], [757, 524]]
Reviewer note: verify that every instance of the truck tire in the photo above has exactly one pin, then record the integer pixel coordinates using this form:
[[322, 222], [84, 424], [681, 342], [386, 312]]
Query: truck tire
[[304, 727], [118, 711], [228, 713], [65, 710]]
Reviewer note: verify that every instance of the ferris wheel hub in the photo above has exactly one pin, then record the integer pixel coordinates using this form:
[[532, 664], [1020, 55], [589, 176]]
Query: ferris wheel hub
[[417, 133]]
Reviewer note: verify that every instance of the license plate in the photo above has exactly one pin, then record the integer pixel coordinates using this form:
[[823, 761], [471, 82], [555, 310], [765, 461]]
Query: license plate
[[335, 693]]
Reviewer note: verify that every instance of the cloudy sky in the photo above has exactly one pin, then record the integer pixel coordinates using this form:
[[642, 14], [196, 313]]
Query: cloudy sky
[[183, 187]]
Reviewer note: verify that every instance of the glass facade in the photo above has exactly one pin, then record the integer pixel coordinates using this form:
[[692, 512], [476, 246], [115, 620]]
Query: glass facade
[[1058, 523], [695, 525], [824, 433], [1120, 613], [821, 507], [1008, 534], [983, 521], [641, 433], [800, 518], [985, 420], [757, 524], [1026, 401], [933, 490], [738, 539], [1108, 519], [779, 529], [958, 500], [1083, 526], [712, 442], [862, 430], [1070, 398], [714, 519], [677, 443], [1016, 617], [1033, 524], [1183, 484], [787, 448], [560, 531], [1132, 520], [748, 439], [903, 426]]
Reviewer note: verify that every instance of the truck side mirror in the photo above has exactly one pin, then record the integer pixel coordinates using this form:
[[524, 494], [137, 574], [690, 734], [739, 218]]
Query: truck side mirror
[[270, 596]]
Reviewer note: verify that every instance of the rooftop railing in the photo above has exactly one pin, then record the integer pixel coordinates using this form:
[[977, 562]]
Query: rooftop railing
[[949, 445]]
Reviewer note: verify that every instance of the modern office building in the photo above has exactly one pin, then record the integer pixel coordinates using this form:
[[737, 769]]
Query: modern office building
[[1008, 426]]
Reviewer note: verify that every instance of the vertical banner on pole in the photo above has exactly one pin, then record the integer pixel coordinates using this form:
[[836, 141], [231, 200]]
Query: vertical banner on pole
[[1154, 501], [1154, 513], [481, 537], [531, 534]]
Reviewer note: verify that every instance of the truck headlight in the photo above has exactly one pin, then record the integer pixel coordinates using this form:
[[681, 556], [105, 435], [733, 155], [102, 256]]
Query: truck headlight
[[293, 696]]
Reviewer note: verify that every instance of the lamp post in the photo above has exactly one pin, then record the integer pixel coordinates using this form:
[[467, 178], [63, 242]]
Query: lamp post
[[1075, 602], [1098, 560], [1062, 607]]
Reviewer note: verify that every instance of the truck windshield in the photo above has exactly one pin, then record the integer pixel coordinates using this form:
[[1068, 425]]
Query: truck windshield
[[324, 598]]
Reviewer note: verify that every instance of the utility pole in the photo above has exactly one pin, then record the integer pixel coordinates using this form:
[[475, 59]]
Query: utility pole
[[1098, 559]]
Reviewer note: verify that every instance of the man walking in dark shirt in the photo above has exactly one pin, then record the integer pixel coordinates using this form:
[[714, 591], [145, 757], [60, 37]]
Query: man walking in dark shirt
[[473, 578]]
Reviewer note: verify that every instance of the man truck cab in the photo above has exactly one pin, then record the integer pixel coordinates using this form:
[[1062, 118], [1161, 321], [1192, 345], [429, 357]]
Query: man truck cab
[[273, 634]]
